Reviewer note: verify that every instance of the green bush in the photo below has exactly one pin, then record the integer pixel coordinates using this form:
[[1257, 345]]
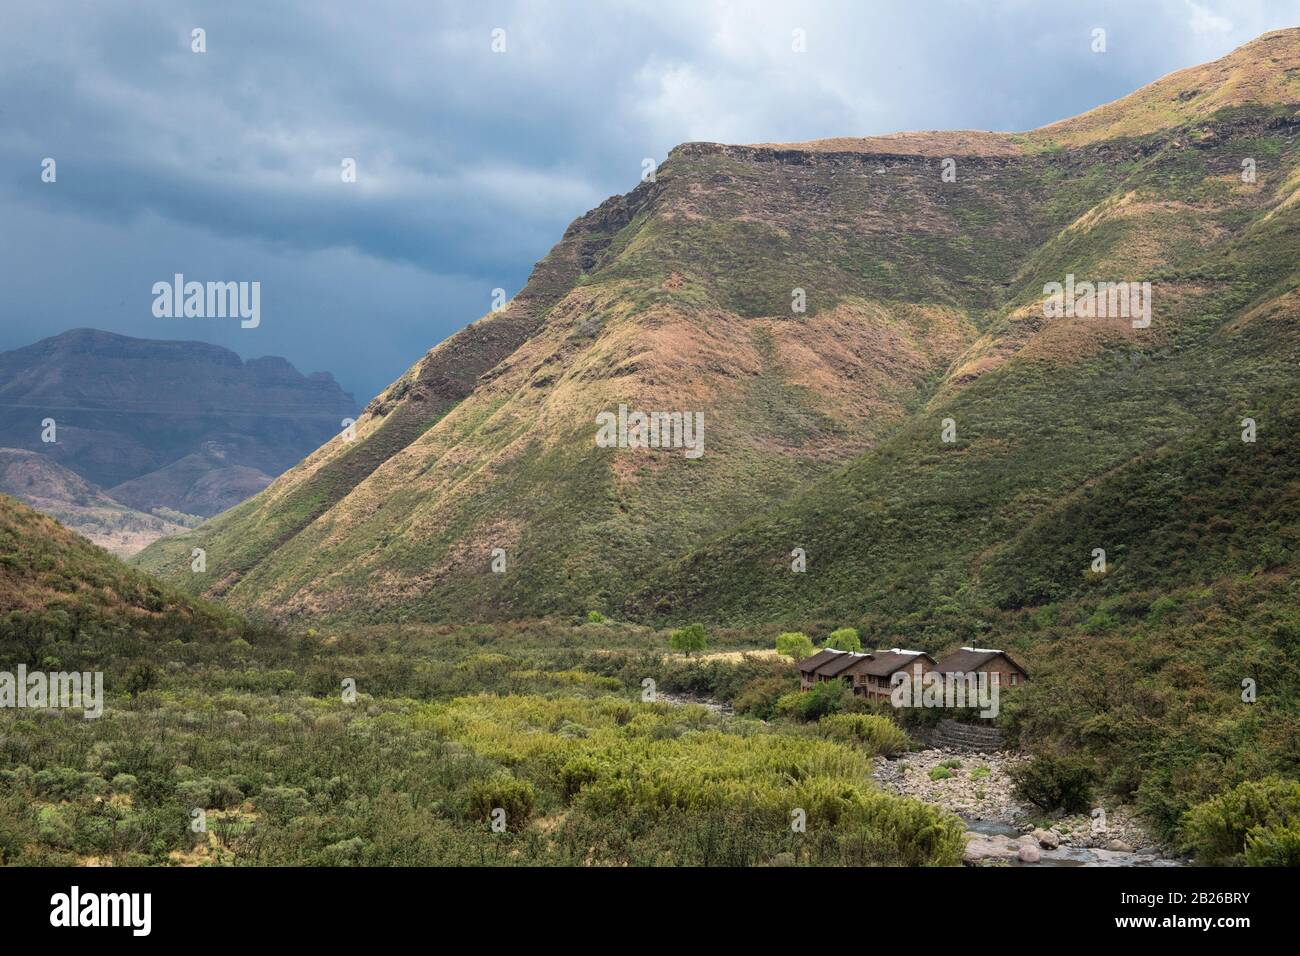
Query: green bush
[[940, 773], [54, 826], [1160, 608], [688, 640], [794, 644], [209, 794], [1055, 782], [879, 735], [827, 697], [1101, 620], [343, 853], [578, 773], [17, 828], [141, 677], [759, 697], [844, 639], [62, 783], [911, 833], [1273, 846], [1218, 829], [516, 797], [283, 804]]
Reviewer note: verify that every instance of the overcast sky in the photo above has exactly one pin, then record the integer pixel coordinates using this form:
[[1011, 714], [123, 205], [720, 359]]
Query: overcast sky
[[225, 165]]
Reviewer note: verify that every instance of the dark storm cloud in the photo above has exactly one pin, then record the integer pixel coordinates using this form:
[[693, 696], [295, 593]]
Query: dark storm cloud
[[225, 165]]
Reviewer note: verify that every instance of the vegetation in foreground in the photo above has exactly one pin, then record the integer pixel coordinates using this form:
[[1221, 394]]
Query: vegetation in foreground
[[417, 768], [229, 743], [545, 721]]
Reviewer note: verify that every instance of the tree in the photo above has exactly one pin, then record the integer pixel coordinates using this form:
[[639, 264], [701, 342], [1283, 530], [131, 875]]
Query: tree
[[794, 644], [689, 639], [1053, 782], [845, 639], [140, 677]]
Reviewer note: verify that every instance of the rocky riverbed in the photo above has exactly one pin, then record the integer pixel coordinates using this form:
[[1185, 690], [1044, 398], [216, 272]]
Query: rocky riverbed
[[1004, 830]]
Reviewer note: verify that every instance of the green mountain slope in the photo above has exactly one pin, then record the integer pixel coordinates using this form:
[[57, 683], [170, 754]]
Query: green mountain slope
[[822, 427], [1055, 416], [67, 604], [677, 297]]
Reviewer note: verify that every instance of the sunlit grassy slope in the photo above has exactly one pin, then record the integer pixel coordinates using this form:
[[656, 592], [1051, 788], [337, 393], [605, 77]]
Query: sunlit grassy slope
[[823, 427]]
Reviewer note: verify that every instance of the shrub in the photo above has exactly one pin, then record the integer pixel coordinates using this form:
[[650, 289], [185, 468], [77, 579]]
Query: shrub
[[488, 668], [828, 697], [979, 773], [283, 803], [1273, 846], [54, 827], [17, 828], [1218, 829], [209, 794], [1053, 782], [902, 832], [61, 783], [516, 797], [343, 853], [140, 678], [1161, 607], [845, 639], [794, 644], [879, 735], [688, 640], [578, 773], [1100, 621], [940, 773], [595, 617], [759, 697]]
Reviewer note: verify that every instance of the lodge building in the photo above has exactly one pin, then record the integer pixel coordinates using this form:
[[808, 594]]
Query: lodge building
[[870, 673], [975, 660]]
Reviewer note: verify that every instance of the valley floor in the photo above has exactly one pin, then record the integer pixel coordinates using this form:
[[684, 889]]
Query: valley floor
[[536, 743]]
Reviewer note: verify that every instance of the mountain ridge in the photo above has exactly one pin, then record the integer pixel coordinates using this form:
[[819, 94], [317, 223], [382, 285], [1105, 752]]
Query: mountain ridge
[[919, 293], [42, 483], [127, 409]]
